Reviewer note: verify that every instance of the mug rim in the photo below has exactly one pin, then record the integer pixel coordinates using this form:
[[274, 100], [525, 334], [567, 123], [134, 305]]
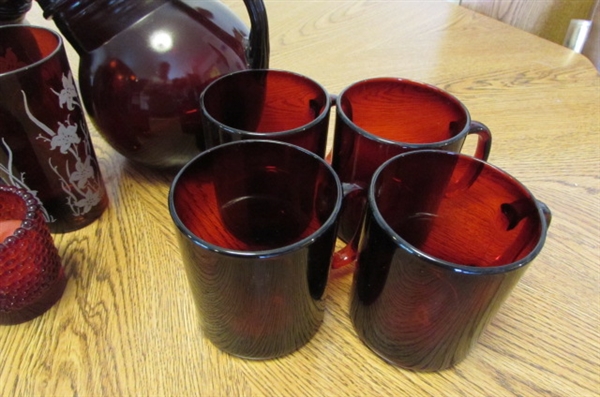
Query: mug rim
[[257, 254], [255, 135], [57, 49], [442, 263], [408, 145]]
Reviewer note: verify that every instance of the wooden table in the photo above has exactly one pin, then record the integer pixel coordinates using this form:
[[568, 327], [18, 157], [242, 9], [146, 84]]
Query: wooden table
[[126, 324]]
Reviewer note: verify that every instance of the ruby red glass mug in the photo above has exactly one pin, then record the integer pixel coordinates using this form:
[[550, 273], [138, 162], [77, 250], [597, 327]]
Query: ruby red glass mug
[[257, 225], [45, 145], [379, 118], [445, 239], [265, 104]]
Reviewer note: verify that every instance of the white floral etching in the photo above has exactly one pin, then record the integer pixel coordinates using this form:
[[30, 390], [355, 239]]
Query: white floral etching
[[68, 95], [83, 187], [19, 180]]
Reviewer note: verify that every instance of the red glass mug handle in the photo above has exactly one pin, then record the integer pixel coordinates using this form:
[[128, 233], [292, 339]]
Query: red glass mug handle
[[545, 212], [347, 254], [482, 152], [484, 142]]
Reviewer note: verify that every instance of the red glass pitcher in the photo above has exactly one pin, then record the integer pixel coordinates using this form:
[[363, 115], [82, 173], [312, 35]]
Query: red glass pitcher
[[13, 11], [144, 63]]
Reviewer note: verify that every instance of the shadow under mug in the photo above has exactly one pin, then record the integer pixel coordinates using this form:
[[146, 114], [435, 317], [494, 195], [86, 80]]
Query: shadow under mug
[[257, 225], [445, 239]]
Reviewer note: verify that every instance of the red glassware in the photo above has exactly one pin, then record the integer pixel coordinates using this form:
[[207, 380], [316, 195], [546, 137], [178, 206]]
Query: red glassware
[[379, 118], [143, 65], [45, 145], [32, 279], [257, 229], [266, 104], [13, 11], [445, 239]]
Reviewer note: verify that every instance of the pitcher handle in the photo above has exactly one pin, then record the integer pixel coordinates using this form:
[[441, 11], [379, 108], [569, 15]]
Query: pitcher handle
[[259, 46]]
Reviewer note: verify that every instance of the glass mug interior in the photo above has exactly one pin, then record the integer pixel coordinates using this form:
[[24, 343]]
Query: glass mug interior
[[243, 201], [458, 209], [404, 111], [265, 104], [264, 101]]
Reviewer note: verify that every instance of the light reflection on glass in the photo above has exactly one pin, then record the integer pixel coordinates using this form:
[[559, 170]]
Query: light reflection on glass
[[161, 41]]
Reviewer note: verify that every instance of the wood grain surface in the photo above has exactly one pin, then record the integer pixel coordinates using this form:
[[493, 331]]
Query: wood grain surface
[[126, 325]]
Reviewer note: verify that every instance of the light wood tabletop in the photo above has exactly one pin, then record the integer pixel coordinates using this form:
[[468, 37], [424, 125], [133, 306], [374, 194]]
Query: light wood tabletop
[[126, 324]]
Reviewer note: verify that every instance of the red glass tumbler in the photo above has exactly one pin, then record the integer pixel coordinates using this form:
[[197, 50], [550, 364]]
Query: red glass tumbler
[[32, 279], [45, 146]]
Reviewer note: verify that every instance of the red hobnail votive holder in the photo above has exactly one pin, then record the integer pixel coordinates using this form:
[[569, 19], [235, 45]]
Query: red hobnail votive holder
[[32, 278]]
